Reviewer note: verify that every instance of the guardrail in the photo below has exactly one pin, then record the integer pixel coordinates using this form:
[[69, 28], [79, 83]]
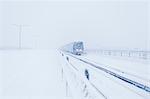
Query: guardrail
[[87, 89], [122, 53], [134, 83]]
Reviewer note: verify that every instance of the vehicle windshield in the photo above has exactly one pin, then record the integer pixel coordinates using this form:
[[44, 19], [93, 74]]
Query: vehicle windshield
[[78, 46]]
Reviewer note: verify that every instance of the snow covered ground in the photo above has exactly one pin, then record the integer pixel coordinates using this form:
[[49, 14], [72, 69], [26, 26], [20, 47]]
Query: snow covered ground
[[139, 68], [37, 74], [107, 85], [30, 74]]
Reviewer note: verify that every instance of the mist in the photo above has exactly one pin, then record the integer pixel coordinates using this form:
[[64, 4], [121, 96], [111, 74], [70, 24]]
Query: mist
[[50, 25]]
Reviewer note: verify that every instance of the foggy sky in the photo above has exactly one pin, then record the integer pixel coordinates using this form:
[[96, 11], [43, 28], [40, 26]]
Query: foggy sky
[[53, 24]]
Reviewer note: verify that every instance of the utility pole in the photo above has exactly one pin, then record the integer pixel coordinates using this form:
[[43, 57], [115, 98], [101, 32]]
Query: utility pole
[[20, 26]]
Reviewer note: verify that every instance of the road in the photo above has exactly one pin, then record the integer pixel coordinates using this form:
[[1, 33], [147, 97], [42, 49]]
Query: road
[[104, 82]]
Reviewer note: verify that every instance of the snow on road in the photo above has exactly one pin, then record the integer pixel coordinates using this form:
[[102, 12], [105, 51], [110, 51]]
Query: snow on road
[[79, 87], [139, 69], [110, 86]]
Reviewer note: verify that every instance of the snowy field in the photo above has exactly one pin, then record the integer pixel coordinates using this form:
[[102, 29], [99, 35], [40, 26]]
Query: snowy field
[[30, 74]]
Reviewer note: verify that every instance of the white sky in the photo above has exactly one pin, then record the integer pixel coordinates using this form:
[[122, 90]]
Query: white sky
[[116, 24]]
